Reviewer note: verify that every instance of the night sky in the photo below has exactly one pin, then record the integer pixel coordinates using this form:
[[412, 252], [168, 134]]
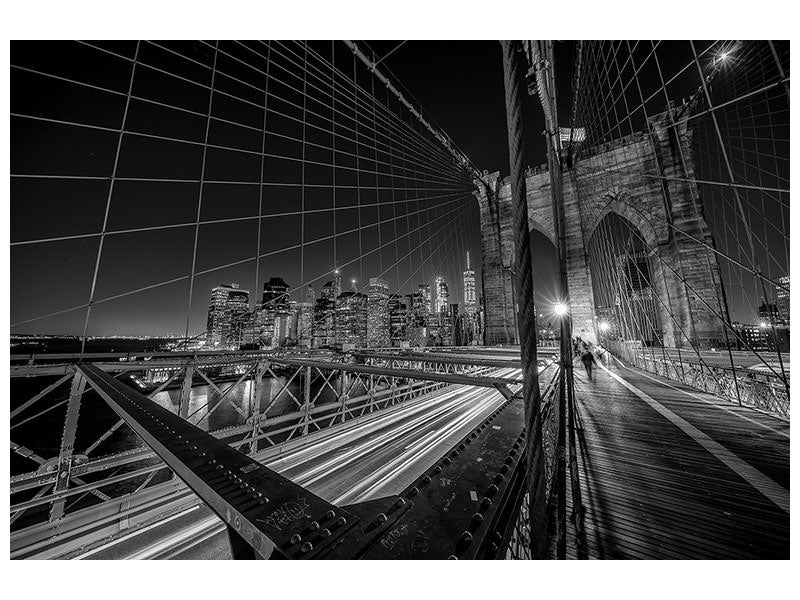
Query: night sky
[[64, 138]]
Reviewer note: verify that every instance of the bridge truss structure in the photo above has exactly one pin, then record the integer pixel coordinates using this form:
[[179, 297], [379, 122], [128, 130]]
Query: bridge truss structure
[[83, 497]]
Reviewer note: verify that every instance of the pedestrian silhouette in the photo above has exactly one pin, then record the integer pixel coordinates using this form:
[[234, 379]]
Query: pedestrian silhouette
[[587, 358]]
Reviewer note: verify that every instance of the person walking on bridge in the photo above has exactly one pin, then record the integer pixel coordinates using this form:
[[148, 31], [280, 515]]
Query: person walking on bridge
[[587, 358]]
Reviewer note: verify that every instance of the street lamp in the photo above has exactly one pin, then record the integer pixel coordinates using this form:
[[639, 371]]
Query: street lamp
[[560, 309], [604, 326]]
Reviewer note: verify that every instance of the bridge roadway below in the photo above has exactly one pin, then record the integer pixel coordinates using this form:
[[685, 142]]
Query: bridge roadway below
[[373, 457], [669, 472]]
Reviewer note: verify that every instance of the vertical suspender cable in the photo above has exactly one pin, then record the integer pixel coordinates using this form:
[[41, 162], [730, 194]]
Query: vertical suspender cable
[[545, 85], [524, 295], [108, 199], [261, 179], [202, 189]]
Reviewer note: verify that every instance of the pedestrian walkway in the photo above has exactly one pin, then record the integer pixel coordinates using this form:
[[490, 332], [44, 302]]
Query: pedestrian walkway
[[669, 472]]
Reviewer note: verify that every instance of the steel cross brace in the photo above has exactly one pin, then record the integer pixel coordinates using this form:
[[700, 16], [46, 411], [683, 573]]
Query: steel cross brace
[[266, 514]]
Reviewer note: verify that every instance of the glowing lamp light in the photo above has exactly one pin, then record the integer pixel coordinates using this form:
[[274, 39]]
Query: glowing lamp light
[[560, 309], [763, 325], [604, 326]]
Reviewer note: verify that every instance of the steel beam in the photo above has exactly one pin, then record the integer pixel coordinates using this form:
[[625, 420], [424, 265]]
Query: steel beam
[[39, 396], [186, 391], [404, 373], [443, 359], [267, 510], [255, 408], [68, 443], [306, 400]]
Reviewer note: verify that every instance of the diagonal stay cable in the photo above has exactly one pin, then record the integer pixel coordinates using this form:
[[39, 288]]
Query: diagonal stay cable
[[210, 270]]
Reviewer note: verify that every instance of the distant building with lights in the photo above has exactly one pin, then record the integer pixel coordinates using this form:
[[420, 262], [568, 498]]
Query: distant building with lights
[[227, 310], [761, 337], [276, 292], [324, 328], [425, 292], [328, 291], [470, 304], [301, 324], [468, 324], [337, 284], [303, 332], [351, 319], [768, 313], [398, 319], [378, 313], [782, 299], [417, 323], [442, 296]]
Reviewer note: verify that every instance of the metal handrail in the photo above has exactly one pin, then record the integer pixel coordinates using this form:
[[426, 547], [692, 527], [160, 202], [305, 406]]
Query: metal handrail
[[516, 542], [745, 386]]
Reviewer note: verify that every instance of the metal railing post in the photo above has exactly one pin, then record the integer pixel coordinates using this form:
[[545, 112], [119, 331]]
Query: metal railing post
[[255, 409], [306, 400]]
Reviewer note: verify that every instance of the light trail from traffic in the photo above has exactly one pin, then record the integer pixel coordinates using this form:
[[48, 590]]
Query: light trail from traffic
[[362, 460]]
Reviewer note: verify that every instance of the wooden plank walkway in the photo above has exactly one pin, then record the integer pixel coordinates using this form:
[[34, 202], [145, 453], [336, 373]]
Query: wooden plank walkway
[[669, 472]]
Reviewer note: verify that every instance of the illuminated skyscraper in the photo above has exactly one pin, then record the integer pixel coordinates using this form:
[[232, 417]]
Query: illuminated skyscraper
[[470, 304], [283, 327], [276, 292], [378, 313], [417, 323], [251, 331], [351, 319], [337, 284], [425, 292], [328, 291], [782, 300], [227, 309], [442, 295], [324, 329], [398, 319], [303, 319], [447, 319], [275, 307]]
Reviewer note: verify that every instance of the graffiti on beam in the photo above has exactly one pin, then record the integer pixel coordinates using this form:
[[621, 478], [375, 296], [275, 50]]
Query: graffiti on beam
[[287, 514]]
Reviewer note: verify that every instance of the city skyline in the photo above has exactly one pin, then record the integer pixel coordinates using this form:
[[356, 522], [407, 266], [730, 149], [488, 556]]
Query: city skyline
[[378, 318]]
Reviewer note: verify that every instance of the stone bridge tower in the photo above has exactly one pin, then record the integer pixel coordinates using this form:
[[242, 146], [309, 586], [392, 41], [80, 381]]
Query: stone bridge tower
[[626, 177]]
